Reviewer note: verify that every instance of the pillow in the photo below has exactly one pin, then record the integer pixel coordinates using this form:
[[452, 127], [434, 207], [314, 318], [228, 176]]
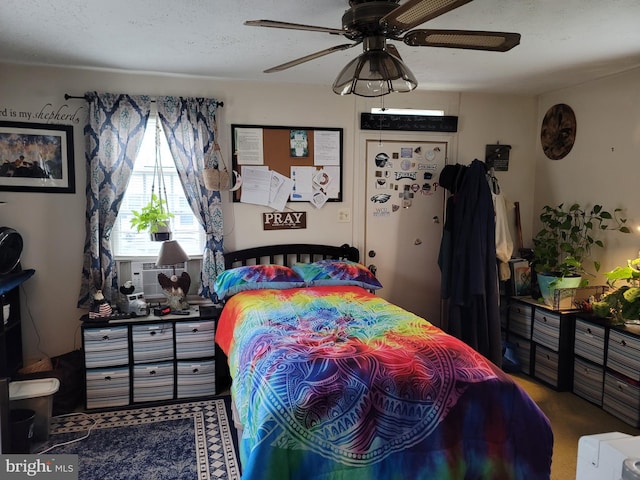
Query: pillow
[[337, 272], [255, 277]]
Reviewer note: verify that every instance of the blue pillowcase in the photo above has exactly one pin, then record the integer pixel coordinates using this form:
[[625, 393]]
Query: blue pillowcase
[[336, 273], [255, 277]]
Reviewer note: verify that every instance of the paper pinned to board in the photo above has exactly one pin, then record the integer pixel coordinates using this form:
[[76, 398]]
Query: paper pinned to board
[[262, 186], [281, 187], [249, 146], [326, 147]]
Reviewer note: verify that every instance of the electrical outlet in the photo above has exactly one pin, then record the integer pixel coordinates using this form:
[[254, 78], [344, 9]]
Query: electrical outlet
[[344, 215]]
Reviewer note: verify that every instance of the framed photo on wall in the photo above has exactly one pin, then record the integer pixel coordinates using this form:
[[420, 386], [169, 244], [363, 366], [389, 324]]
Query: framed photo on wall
[[36, 157]]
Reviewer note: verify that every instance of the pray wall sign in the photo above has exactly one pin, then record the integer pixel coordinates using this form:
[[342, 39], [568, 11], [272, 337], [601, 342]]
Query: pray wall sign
[[284, 220]]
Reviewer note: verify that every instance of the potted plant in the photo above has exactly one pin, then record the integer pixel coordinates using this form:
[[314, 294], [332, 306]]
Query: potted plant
[[565, 242], [153, 217], [622, 304]]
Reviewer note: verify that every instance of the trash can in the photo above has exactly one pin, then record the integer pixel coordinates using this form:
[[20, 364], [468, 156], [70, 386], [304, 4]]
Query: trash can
[[21, 432], [36, 395]]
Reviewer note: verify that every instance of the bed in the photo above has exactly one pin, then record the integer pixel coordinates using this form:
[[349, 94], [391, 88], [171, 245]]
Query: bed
[[333, 382]]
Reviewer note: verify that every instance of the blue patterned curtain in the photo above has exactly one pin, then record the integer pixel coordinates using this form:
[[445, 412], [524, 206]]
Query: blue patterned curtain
[[113, 136], [189, 125]]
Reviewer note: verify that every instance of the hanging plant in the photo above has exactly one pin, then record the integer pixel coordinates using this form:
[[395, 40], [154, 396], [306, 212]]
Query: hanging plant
[[155, 215]]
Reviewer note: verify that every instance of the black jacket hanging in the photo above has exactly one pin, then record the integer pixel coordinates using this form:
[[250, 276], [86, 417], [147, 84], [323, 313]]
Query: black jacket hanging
[[468, 261]]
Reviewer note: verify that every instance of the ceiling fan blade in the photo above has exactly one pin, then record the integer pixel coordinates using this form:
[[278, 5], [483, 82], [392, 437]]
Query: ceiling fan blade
[[415, 12], [293, 26], [312, 56], [466, 39]]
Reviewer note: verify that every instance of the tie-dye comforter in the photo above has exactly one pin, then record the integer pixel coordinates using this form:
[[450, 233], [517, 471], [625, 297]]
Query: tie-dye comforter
[[334, 383]]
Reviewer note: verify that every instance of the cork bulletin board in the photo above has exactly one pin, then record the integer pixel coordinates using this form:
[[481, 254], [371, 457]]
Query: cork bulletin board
[[310, 156]]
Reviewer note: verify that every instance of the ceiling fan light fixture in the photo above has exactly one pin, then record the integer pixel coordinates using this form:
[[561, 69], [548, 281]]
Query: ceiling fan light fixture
[[374, 73]]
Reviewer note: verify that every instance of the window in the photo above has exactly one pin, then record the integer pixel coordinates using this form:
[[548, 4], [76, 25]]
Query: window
[[408, 111], [186, 229]]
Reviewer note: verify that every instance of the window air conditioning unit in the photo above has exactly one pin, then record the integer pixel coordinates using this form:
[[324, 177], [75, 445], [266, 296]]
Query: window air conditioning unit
[[144, 276]]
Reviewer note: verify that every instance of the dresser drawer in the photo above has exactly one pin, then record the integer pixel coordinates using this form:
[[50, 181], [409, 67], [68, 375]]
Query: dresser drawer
[[520, 319], [623, 354], [546, 365], [522, 348], [546, 329], [621, 399], [152, 342], [104, 347], [152, 382], [588, 381], [107, 387], [195, 339], [196, 378], [589, 341]]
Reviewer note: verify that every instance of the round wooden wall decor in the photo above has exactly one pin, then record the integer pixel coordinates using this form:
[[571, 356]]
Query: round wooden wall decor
[[558, 132]]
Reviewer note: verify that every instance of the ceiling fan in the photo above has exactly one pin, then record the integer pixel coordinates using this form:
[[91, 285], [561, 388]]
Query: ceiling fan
[[380, 69]]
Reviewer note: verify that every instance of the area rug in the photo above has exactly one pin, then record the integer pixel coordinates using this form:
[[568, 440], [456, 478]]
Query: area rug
[[193, 440]]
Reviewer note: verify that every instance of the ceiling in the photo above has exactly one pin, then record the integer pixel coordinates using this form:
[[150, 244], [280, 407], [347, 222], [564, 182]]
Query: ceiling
[[564, 42]]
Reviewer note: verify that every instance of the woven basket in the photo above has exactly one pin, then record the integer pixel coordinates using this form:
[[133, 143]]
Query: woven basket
[[42, 365], [215, 179]]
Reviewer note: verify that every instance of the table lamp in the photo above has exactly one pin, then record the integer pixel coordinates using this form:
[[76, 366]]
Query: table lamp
[[175, 287]]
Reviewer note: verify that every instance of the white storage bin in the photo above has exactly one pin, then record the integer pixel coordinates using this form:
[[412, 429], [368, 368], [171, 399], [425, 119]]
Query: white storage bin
[[196, 379], [107, 387], [36, 395]]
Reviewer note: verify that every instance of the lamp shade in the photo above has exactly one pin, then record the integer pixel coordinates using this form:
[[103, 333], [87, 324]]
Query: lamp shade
[[374, 73], [171, 253]]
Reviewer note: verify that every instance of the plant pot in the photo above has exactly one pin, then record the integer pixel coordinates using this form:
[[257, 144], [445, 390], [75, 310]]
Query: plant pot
[[161, 234], [549, 283]]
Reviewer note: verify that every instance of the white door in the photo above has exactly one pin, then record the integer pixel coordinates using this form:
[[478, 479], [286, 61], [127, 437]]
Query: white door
[[404, 219]]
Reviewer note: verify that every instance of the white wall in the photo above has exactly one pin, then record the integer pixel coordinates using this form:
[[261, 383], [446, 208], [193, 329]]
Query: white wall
[[52, 225], [604, 165], [506, 120]]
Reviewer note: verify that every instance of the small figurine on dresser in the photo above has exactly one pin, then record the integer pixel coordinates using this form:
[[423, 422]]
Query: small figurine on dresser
[[100, 307], [176, 288], [132, 303], [127, 288]]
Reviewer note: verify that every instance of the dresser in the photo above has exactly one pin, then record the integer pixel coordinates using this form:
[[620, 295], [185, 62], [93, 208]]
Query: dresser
[[543, 340], [153, 359], [607, 366], [621, 393], [589, 358], [519, 322]]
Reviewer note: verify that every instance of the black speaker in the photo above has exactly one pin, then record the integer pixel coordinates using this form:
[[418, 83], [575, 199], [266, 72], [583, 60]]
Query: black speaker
[[10, 250]]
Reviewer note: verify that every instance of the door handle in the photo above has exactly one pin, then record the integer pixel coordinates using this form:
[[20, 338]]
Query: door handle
[[373, 269]]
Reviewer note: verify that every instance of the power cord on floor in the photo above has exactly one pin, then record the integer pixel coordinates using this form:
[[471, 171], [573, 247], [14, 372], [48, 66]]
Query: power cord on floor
[[95, 422]]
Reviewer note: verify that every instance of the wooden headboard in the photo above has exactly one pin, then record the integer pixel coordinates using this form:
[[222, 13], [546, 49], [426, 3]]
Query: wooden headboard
[[288, 254]]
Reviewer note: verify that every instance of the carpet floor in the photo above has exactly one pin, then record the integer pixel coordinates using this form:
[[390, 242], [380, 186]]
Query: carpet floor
[[571, 417], [192, 440]]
